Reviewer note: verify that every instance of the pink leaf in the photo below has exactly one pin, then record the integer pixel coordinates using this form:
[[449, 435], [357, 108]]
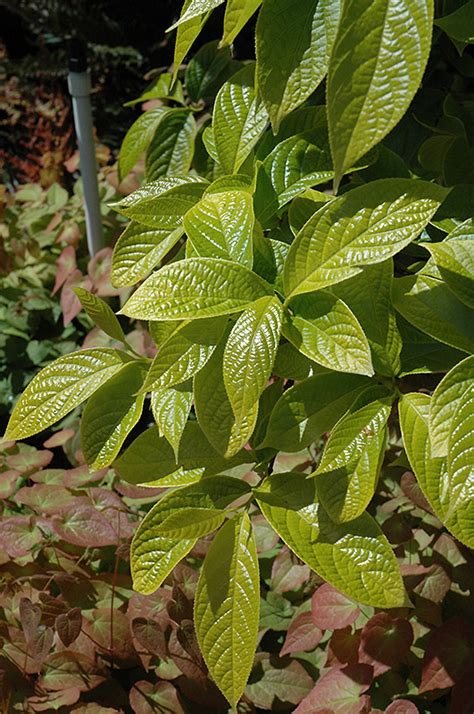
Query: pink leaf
[[30, 617], [150, 635], [8, 481], [331, 609], [18, 535], [287, 573], [340, 691], [85, 526], [148, 698], [401, 706], [385, 641], [68, 626], [302, 635], [70, 303], [59, 438], [65, 266]]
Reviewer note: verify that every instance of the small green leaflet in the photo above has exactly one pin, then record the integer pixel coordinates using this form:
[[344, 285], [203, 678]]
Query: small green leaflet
[[171, 149], [445, 403], [196, 288], [187, 32], [221, 226], [238, 121], [293, 42], [137, 139], [170, 407], [110, 415], [226, 607], [153, 556], [250, 353], [102, 315], [214, 411], [354, 557], [430, 306], [455, 260], [193, 9], [366, 225], [324, 329], [237, 14], [307, 410], [61, 387], [138, 250], [378, 59]]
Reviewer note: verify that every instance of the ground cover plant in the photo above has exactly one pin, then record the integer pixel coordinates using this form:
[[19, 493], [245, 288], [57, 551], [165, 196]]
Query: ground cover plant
[[314, 377]]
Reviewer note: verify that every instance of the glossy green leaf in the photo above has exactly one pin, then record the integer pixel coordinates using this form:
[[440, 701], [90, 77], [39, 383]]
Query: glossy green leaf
[[324, 329], [459, 25], [230, 182], [422, 354], [153, 556], [226, 607], [184, 353], [102, 315], [214, 411], [137, 139], [309, 409], [138, 250], [293, 42], [238, 122], [170, 407], [237, 14], [250, 353], [186, 34], [110, 415], [364, 226], [191, 522], [61, 387], [162, 203], [221, 226], [369, 297], [207, 70], [150, 460], [196, 288], [171, 149], [445, 404], [455, 260], [378, 59], [461, 468], [194, 8], [354, 557], [428, 304]]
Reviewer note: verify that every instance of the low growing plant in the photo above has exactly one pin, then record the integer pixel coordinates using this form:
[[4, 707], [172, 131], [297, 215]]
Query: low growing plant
[[336, 325]]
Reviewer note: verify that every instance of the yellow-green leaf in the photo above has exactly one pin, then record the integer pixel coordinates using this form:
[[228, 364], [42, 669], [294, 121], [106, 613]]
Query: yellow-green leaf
[[237, 14], [100, 313], [170, 407], [455, 260], [445, 403]]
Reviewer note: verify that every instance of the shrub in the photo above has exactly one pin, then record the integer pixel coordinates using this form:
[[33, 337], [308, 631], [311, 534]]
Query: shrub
[[320, 338]]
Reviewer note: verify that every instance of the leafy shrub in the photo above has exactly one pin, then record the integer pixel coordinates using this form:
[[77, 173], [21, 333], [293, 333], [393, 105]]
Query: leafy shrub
[[312, 346]]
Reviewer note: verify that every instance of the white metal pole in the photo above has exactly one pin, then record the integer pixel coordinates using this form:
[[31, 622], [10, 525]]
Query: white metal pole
[[79, 88]]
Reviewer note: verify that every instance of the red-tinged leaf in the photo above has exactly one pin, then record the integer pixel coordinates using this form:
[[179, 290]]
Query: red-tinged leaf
[[435, 584], [54, 700], [63, 670], [94, 708], [343, 648], [148, 698], [462, 695], [153, 606], [70, 234], [138, 492], [191, 663], [385, 642], [52, 477], [448, 656], [265, 536], [150, 635], [59, 438], [30, 618], [106, 500], [8, 481], [81, 476], [16, 649], [275, 681], [397, 529], [86, 527], [331, 609], [412, 490], [68, 626], [302, 635], [70, 304], [449, 552], [29, 460], [19, 535], [111, 630], [99, 269], [40, 645], [51, 607], [401, 706], [44, 498], [288, 574], [65, 266], [340, 691]]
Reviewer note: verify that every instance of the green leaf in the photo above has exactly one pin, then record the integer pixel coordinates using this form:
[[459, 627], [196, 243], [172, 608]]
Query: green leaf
[[377, 62], [191, 522], [162, 203], [196, 288], [346, 492], [187, 32], [461, 468], [207, 70], [428, 304], [214, 411], [170, 407], [422, 354], [110, 415], [445, 404], [230, 182], [238, 122], [138, 250], [369, 297], [162, 87], [184, 353], [226, 607], [459, 25], [353, 433], [171, 149], [137, 139], [293, 42], [324, 329], [150, 460], [194, 8], [61, 387], [250, 353], [101, 314], [364, 226], [153, 556], [354, 557], [221, 226], [455, 260], [309, 409], [237, 14]]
